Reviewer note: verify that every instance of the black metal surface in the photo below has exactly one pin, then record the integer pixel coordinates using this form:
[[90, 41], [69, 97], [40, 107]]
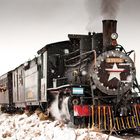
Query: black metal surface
[[109, 27]]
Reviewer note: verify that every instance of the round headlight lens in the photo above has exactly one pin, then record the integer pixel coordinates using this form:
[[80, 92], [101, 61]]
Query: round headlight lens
[[114, 35]]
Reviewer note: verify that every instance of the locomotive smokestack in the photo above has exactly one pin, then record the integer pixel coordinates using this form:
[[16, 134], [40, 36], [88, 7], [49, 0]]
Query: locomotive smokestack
[[109, 27]]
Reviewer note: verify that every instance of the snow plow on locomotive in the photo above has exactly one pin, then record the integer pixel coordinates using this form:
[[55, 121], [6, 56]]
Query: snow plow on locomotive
[[89, 80]]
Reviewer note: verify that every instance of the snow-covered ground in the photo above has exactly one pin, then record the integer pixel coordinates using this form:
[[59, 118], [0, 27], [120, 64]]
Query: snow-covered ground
[[22, 127]]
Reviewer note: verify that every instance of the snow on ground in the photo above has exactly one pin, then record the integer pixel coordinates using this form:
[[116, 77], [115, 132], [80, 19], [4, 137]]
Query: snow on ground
[[22, 127]]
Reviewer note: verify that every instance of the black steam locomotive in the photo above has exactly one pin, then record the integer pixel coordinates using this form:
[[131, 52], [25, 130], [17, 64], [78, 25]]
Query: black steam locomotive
[[89, 80]]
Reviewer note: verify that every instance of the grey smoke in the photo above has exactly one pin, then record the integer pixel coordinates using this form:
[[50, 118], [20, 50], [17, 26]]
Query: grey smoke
[[101, 9], [93, 11], [110, 8]]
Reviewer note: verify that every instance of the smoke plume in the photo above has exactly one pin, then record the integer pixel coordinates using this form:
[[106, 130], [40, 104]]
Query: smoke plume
[[109, 8], [101, 9], [93, 11]]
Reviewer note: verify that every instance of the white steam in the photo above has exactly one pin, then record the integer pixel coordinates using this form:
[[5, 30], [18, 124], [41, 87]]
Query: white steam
[[63, 114], [65, 111], [54, 109]]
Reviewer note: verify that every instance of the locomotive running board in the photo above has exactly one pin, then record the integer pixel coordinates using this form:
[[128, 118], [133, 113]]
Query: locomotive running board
[[63, 86]]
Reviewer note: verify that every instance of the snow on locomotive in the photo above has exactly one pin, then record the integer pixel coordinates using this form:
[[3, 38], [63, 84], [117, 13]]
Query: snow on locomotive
[[88, 79]]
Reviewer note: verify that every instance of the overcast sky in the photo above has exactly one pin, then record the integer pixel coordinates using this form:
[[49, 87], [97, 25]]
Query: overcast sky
[[28, 25]]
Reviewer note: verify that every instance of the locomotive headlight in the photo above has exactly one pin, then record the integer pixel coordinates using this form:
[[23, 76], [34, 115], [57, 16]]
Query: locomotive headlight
[[114, 36]]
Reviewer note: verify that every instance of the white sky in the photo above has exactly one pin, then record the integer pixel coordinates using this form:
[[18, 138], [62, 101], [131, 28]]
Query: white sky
[[28, 25]]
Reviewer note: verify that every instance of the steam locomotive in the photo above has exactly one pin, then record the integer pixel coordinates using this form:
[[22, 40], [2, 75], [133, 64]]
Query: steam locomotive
[[88, 79]]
